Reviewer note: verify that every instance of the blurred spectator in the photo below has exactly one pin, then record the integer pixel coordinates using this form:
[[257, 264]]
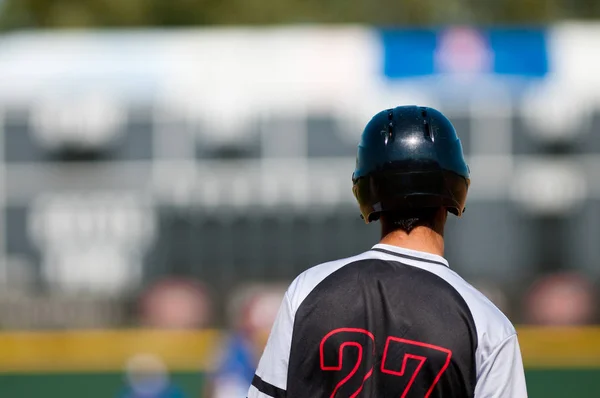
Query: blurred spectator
[[175, 304], [147, 377], [253, 312], [560, 299]]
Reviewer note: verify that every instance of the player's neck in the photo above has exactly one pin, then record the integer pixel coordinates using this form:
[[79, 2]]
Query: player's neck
[[422, 239]]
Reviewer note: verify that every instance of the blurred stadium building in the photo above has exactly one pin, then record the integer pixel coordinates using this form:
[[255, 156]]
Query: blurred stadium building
[[151, 178], [225, 155]]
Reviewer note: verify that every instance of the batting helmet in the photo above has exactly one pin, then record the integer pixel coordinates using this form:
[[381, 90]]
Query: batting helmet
[[409, 157]]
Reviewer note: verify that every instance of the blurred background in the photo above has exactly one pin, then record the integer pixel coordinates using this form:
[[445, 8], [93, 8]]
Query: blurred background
[[168, 167]]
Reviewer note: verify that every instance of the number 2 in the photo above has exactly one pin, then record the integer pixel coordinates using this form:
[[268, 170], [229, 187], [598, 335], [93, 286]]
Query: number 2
[[395, 347], [358, 334]]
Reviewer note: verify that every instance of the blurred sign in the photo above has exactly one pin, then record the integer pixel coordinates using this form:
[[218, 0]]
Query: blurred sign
[[555, 113], [549, 187], [90, 122], [421, 52], [93, 242]]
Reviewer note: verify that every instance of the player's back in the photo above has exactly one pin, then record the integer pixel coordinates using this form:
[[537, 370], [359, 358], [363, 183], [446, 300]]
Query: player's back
[[387, 323]]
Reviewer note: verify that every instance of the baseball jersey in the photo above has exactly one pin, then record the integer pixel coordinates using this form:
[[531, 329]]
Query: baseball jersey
[[388, 323]]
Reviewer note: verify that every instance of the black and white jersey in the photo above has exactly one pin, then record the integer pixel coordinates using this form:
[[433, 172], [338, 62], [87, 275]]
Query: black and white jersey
[[388, 323]]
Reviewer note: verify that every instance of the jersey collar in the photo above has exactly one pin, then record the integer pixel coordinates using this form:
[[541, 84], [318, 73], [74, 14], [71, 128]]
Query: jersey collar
[[408, 254]]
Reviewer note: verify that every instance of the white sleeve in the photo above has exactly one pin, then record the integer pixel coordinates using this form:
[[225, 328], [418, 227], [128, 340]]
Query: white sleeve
[[270, 379], [502, 374]]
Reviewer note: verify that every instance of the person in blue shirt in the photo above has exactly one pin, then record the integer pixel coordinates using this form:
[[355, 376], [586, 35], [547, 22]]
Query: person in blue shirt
[[147, 377], [256, 311]]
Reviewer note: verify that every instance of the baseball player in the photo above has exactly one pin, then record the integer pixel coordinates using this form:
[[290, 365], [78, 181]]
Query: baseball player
[[395, 321]]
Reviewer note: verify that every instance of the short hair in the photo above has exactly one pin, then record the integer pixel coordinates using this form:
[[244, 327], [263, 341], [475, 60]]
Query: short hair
[[407, 220]]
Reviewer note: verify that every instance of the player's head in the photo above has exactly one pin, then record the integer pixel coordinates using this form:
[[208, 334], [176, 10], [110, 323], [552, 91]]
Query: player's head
[[410, 165]]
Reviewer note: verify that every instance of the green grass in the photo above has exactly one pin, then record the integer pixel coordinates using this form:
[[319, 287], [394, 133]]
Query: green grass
[[563, 383], [89, 385], [542, 383]]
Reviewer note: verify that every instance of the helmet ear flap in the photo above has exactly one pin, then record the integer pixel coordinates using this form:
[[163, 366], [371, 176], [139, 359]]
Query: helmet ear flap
[[393, 190], [365, 192], [358, 190]]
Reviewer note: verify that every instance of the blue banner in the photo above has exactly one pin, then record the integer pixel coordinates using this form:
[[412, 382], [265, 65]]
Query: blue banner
[[465, 51]]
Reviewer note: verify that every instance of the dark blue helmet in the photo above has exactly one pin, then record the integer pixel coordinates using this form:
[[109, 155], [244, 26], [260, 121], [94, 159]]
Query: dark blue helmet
[[410, 157]]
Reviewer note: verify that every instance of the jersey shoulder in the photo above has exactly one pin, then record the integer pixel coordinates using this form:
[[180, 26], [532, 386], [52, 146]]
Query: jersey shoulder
[[492, 325], [484, 311], [305, 283]]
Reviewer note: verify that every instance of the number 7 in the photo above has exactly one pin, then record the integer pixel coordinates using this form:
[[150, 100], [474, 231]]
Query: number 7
[[404, 345]]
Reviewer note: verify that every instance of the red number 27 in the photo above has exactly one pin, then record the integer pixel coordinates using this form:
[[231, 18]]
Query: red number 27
[[364, 341]]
